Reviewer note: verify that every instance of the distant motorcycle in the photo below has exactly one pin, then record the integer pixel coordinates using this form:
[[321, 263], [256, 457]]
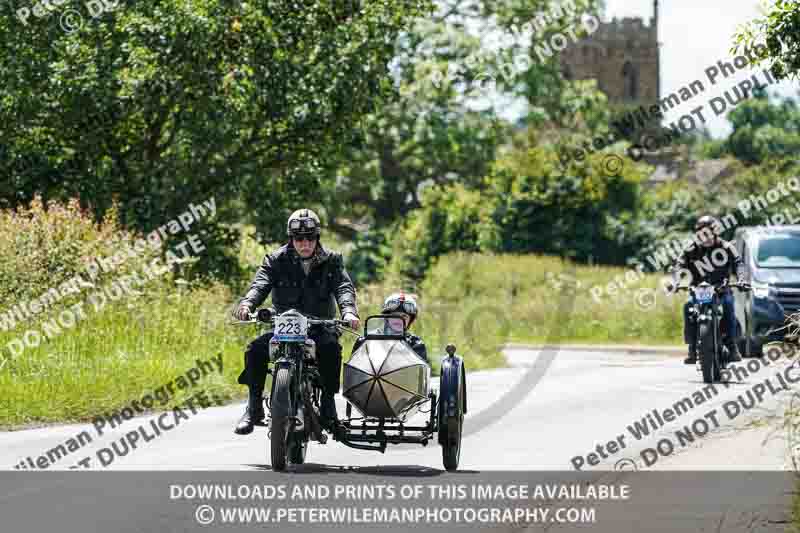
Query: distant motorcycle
[[384, 379], [705, 310]]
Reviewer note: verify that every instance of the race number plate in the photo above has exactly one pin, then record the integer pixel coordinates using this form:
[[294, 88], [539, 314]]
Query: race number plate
[[291, 328], [704, 295]]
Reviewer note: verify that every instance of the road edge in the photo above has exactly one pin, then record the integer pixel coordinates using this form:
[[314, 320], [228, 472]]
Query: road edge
[[624, 348]]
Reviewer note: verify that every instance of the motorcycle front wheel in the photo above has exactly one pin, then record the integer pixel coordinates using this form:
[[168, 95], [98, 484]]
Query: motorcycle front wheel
[[279, 426], [708, 356]]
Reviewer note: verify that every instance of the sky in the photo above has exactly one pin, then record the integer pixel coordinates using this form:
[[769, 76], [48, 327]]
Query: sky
[[694, 35]]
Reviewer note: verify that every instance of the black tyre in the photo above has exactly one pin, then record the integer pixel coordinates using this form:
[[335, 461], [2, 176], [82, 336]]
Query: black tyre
[[297, 448], [453, 425], [279, 430], [706, 349], [753, 348]]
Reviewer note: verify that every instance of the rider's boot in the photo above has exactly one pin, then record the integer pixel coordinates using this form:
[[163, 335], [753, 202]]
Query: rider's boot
[[254, 414], [327, 411], [692, 357], [733, 352]]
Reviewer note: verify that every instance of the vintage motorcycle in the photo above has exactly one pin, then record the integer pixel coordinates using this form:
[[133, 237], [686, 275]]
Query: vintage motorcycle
[[385, 380], [705, 310]]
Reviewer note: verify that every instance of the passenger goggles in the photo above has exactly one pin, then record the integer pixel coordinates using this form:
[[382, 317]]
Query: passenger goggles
[[408, 307], [302, 224]]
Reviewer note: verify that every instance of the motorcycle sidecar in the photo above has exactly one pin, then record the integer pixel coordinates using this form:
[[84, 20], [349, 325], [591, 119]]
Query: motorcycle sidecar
[[388, 383]]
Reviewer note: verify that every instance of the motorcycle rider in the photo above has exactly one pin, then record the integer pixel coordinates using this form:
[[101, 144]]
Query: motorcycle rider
[[305, 276], [713, 260], [404, 305]]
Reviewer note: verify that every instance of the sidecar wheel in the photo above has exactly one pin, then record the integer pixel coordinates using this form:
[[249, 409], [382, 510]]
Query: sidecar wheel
[[452, 427], [279, 426]]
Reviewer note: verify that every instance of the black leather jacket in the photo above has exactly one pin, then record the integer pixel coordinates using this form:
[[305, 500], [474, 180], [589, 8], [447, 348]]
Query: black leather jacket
[[326, 286], [714, 264]]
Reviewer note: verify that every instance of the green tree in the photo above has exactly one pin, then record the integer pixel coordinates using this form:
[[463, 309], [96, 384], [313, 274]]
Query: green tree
[[763, 129], [451, 218], [158, 104], [779, 31], [579, 212], [446, 70]]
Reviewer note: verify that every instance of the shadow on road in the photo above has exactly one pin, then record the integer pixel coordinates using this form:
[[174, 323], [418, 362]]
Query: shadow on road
[[388, 470]]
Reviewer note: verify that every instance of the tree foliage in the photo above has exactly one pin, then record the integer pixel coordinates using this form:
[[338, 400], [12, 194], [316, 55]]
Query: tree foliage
[[158, 104], [764, 129], [779, 31], [527, 205]]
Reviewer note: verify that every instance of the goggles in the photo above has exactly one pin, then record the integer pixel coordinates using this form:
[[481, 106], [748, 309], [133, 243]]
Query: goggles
[[396, 304], [300, 224]]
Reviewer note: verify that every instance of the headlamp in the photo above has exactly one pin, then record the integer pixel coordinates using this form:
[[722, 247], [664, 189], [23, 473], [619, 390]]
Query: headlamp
[[761, 290]]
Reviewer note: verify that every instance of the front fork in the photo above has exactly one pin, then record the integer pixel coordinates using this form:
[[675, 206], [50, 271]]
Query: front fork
[[304, 399], [287, 403]]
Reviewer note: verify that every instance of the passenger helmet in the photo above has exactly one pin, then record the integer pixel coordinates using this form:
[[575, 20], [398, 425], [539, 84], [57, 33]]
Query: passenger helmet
[[303, 222], [401, 302]]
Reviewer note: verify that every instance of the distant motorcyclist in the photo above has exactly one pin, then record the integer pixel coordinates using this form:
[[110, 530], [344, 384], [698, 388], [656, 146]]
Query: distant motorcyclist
[[305, 276], [404, 305], [713, 261]]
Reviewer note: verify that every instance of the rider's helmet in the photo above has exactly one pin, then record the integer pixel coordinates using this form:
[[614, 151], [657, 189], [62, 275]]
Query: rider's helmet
[[303, 222], [700, 227], [705, 221], [401, 302]]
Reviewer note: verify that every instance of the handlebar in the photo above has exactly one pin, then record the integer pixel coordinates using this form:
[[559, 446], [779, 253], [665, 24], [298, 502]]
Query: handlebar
[[742, 286], [267, 316]]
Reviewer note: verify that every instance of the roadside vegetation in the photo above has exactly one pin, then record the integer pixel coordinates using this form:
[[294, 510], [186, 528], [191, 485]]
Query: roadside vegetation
[[135, 344], [475, 214]]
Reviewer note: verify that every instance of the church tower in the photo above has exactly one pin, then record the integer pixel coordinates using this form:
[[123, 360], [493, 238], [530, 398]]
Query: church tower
[[623, 56]]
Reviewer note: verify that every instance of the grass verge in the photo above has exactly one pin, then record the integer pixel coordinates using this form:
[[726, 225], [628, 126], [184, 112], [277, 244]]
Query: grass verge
[[478, 302]]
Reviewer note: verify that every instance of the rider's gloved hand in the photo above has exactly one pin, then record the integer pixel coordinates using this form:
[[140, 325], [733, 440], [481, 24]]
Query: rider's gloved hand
[[353, 320], [243, 311]]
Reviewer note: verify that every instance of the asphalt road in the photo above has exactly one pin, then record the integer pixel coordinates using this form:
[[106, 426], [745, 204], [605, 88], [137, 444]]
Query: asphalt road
[[531, 417], [584, 399]]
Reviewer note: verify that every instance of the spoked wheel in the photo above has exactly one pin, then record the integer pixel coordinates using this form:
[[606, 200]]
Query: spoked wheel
[[279, 434], [708, 358], [453, 425]]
